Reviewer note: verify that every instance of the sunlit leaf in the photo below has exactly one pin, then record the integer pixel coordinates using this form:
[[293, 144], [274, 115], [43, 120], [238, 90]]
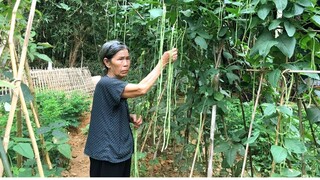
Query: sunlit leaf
[[24, 149], [6, 84], [279, 153], [316, 20], [154, 13], [43, 57]]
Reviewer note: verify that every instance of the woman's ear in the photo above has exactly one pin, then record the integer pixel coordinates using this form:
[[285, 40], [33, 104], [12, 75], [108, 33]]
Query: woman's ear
[[106, 62]]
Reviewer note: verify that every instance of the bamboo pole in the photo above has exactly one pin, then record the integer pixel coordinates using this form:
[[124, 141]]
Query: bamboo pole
[[17, 90], [14, 68], [251, 124], [211, 146], [4, 158], [35, 114]]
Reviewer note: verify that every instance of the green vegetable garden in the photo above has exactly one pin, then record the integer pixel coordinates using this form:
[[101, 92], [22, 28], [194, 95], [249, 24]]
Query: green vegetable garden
[[242, 100]]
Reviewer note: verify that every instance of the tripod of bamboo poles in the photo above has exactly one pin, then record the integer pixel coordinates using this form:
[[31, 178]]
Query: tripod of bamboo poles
[[17, 92]]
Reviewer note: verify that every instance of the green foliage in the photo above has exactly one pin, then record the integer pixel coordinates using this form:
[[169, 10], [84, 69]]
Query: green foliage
[[58, 106]]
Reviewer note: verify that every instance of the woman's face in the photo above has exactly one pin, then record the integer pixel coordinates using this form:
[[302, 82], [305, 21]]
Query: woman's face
[[119, 65]]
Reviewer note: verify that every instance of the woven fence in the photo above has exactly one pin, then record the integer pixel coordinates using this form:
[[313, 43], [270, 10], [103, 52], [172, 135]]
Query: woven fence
[[66, 80]]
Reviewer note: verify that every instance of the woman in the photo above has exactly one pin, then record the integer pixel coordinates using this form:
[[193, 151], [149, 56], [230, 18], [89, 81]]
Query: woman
[[110, 143]]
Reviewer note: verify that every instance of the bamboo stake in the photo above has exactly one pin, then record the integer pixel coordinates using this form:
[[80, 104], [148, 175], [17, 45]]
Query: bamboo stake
[[18, 91], [201, 125], [211, 149], [4, 158], [14, 68], [251, 123], [35, 114]]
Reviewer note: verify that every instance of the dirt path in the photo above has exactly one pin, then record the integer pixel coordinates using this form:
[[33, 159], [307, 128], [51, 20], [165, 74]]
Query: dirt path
[[79, 165]]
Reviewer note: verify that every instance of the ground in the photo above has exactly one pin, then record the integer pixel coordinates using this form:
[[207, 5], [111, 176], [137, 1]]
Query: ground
[[79, 165]]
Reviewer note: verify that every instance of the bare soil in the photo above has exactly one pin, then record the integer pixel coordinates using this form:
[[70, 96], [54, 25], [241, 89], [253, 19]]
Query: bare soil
[[79, 165]]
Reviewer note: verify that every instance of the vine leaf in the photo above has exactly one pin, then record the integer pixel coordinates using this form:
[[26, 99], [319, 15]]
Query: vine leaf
[[264, 44], [316, 20], [264, 11], [295, 146], [281, 4], [154, 13], [279, 153], [291, 30], [313, 114], [201, 42], [65, 150], [286, 45], [290, 172], [24, 149], [273, 77]]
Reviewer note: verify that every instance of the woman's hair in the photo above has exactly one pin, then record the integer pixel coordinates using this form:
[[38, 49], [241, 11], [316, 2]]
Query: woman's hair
[[109, 49]]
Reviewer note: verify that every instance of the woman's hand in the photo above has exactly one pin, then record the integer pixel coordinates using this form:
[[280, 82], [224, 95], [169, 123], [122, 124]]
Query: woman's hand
[[173, 54], [136, 121]]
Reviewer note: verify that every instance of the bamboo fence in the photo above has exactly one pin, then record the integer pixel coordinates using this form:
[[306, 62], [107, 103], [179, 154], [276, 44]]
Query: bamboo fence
[[65, 79]]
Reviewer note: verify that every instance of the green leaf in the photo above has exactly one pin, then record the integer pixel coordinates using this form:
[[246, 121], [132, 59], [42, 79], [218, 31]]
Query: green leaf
[[291, 29], [187, 12], [270, 109], [253, 137], [279, 153], [65, 149], [24, 149], [285, 110], [26, 93], [222, 147], [232, 77], [281, 4], [64, 6], [313, 114], [289, 172], [43, 57], [273, 77], [231, 155], [316, 20], [201, 42], [264, 11], [263, 44], [274, 24], [305, 3], [286, 45], [154, 13], [295, 146], [6, 84]]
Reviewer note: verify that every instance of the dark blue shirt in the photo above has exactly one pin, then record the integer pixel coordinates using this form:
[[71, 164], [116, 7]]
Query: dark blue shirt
[[109, 137]]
